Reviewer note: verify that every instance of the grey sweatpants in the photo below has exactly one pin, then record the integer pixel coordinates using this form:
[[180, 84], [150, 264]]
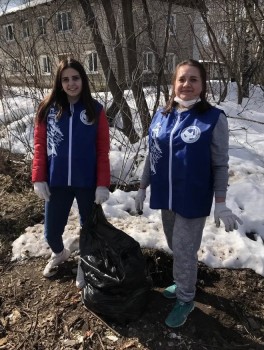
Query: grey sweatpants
[[184, 239]]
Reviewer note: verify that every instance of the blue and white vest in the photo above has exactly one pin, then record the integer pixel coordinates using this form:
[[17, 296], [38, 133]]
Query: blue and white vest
[[180, 161], [71, 147]]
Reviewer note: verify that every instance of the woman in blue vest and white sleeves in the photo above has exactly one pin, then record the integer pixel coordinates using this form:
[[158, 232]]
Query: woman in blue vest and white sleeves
[[186, 167]]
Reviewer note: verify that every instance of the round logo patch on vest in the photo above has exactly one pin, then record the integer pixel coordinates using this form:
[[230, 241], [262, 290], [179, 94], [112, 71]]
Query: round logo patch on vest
[[83, 118], [191, 134]]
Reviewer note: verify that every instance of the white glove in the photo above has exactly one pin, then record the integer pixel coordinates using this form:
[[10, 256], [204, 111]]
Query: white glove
[[229, 219], [101, 194], [42, 190], [139, 199], [80, 280]]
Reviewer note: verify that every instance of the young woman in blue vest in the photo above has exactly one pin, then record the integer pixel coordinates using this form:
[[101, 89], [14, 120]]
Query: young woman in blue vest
[[186, 166], [71, 155]]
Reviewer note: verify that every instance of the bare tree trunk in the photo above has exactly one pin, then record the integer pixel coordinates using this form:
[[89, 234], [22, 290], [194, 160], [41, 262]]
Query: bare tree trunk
[[251, 60], [221, 54], [117, 92], [134, 67], [239, 43], [161, 81], [109, 13]]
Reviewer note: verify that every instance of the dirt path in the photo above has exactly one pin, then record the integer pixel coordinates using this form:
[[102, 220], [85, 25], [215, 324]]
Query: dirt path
[[42, 314]]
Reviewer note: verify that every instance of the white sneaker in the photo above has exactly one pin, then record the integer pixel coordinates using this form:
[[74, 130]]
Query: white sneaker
[[80, 281], [55, 260]]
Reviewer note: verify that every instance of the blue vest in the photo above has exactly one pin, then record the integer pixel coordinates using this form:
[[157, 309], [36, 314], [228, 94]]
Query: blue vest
[[180, 161], [71, 147]]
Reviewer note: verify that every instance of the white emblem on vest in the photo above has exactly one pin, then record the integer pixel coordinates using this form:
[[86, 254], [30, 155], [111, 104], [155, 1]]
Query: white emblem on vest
[[54, 134], [155, 151], [191, 134], [83, 118]]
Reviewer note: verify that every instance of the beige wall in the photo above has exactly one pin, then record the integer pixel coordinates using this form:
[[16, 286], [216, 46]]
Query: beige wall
[[78, 41]]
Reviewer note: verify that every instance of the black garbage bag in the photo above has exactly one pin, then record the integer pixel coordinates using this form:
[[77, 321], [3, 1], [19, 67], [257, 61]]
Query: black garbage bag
[[117, 283]]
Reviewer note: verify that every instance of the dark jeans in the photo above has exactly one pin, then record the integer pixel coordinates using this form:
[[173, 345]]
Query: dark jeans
[[57, 211]]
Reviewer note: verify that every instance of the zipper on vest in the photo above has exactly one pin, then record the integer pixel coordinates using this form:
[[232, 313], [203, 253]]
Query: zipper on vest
[[170, 159], [70, 144]]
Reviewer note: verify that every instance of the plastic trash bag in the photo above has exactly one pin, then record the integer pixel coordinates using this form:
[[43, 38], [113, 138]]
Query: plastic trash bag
[[117, 284]]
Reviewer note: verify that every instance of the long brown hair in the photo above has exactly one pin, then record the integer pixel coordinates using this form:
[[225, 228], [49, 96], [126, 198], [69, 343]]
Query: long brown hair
[[58, 97], [201, 106]]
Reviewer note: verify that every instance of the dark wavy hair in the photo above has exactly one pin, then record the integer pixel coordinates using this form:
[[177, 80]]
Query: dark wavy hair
[[201, 106], [58, 97]]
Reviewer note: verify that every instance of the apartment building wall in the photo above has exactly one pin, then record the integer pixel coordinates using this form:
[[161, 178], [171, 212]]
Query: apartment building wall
[[32, 53], [180, 36], [34, 59]]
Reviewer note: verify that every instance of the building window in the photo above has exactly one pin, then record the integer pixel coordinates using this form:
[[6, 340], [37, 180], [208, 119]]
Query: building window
[[45, 66], [9, 32], [172, 24], [169, 64], [41, 25], [29, 66], [13, 67], [148, 62], [91, 62], [64, 21], [25, 29]]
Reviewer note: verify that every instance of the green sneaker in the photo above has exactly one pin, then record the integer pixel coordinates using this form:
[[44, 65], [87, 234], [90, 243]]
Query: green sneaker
[[170, 292], [179, 314]]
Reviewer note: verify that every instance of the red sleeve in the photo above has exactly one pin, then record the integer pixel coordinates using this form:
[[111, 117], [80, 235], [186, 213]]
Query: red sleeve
[[39, 166], [102, 151]]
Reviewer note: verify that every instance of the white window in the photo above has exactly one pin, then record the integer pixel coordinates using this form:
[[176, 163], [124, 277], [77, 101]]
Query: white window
[[91, 62], [64, 21], [148, 62], [172, 24], [45, 66], [169, 64], [9, 32], [25, 29], [41, 25]]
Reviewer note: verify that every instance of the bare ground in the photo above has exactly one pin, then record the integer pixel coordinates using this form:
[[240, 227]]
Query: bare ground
[[47, 314]]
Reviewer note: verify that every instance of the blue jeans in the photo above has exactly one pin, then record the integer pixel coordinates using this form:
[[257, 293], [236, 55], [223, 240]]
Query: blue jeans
[[57, 211]]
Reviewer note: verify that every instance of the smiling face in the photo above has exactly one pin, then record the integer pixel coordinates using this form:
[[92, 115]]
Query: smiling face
[[71, 82], [188, 82]]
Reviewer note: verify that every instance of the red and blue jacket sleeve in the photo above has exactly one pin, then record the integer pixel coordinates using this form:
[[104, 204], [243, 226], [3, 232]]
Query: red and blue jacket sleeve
[[40, 159]]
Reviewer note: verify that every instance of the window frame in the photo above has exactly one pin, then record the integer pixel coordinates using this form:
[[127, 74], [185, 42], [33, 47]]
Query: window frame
[[146, 57], [172, 24], [169, 54], [64, 22], [9, 35], [44, 65], [94, 62], [25, 29], [41, 25]]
